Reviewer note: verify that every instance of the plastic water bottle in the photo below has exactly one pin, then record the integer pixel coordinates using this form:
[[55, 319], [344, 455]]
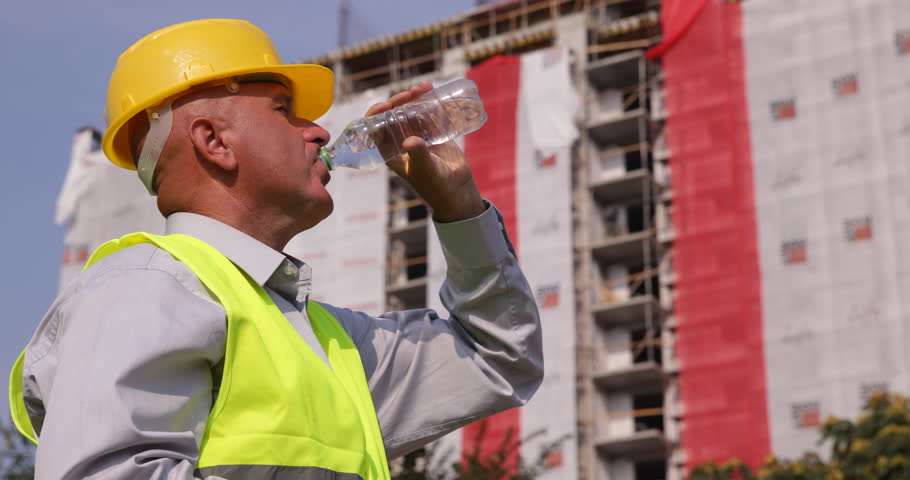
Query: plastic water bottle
[[440, 115]]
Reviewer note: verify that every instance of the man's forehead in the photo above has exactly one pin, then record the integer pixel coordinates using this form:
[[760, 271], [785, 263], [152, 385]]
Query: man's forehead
[[274, 90]]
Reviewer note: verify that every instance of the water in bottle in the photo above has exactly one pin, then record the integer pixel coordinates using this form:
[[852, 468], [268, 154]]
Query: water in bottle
[[440, 115]]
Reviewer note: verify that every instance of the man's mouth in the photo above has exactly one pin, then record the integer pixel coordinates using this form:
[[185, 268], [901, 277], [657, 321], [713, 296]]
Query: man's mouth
[[325, 176]]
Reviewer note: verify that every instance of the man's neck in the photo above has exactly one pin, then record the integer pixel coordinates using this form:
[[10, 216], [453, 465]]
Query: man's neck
[[262, 222], [274, 233]]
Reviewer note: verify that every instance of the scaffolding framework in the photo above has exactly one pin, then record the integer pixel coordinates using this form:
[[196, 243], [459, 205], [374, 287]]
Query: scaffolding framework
[[628, 406]]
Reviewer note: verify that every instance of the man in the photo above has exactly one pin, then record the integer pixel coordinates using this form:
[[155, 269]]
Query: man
[[198, 354]]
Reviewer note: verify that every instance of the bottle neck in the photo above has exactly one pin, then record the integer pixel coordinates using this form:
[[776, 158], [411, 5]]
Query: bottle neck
[[327, 154]]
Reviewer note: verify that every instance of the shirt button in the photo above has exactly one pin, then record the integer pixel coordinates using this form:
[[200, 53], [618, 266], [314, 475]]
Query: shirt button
[[289, 269]]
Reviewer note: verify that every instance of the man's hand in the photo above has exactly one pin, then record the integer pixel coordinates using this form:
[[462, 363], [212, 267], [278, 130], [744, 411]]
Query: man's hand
[[439, 173]]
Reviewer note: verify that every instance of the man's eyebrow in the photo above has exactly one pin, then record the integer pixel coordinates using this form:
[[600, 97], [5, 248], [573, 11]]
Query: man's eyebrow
[[282, 98]]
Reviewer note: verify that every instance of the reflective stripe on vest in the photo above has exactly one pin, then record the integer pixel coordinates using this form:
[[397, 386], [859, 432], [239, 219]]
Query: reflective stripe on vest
[[269, 472], [281, 412]]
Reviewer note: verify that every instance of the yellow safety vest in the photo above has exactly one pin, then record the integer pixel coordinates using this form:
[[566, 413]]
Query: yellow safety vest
[[281, 412]]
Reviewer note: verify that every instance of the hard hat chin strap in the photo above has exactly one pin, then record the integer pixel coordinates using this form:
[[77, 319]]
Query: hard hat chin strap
[[160, 120]]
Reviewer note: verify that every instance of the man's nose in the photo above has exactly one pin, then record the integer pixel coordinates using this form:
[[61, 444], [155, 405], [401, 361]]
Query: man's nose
[[314, 133]]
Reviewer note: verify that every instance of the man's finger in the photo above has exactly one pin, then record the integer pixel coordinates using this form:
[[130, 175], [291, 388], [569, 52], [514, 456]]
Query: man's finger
[[450, 154], [419, 159], [421, 88], [401, 98], [378, 108]]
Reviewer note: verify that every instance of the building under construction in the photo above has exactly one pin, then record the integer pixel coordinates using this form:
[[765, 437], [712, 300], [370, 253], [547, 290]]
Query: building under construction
[[627, 421], [723, 316]]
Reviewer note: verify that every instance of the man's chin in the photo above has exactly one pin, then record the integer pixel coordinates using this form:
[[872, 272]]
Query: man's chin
[[317, 213]]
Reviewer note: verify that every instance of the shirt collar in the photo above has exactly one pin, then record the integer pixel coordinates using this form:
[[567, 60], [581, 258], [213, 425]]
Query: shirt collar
[[262, 263]]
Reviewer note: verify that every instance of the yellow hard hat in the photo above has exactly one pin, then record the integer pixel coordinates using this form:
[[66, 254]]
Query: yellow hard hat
[[172, 60]]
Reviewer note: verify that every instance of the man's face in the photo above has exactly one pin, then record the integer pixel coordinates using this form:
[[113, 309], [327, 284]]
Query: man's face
[[278, 155]]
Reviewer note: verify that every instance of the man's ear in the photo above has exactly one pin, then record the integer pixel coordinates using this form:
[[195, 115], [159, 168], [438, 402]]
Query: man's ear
[[207, 136]]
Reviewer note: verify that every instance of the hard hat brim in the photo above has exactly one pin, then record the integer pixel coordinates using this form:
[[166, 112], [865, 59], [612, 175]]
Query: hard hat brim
[[312, 90]]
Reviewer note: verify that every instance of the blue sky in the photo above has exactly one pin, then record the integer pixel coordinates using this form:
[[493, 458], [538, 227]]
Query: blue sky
[[56, 58]]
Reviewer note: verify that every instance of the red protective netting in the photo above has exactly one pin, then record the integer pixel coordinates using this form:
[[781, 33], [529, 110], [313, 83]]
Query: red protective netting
[[720, 345], [491, 152]]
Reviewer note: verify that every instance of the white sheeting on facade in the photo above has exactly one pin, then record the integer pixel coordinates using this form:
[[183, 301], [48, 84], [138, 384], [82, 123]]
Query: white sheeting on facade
[[546, 112], [347, 251], [546, 121], [98, 202], [828, 90]]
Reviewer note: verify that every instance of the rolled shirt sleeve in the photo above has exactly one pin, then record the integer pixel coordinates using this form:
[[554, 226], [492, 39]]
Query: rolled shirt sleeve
[[430, 375]]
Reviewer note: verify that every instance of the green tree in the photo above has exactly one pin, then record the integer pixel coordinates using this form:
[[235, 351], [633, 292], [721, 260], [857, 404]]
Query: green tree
[[874, 447], [17, 457], [504, 463]]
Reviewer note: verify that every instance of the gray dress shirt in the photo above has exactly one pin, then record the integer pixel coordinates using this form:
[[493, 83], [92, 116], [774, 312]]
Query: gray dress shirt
[[121, 374]]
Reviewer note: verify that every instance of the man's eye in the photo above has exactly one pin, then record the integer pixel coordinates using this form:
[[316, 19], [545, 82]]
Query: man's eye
[[283, 109]]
